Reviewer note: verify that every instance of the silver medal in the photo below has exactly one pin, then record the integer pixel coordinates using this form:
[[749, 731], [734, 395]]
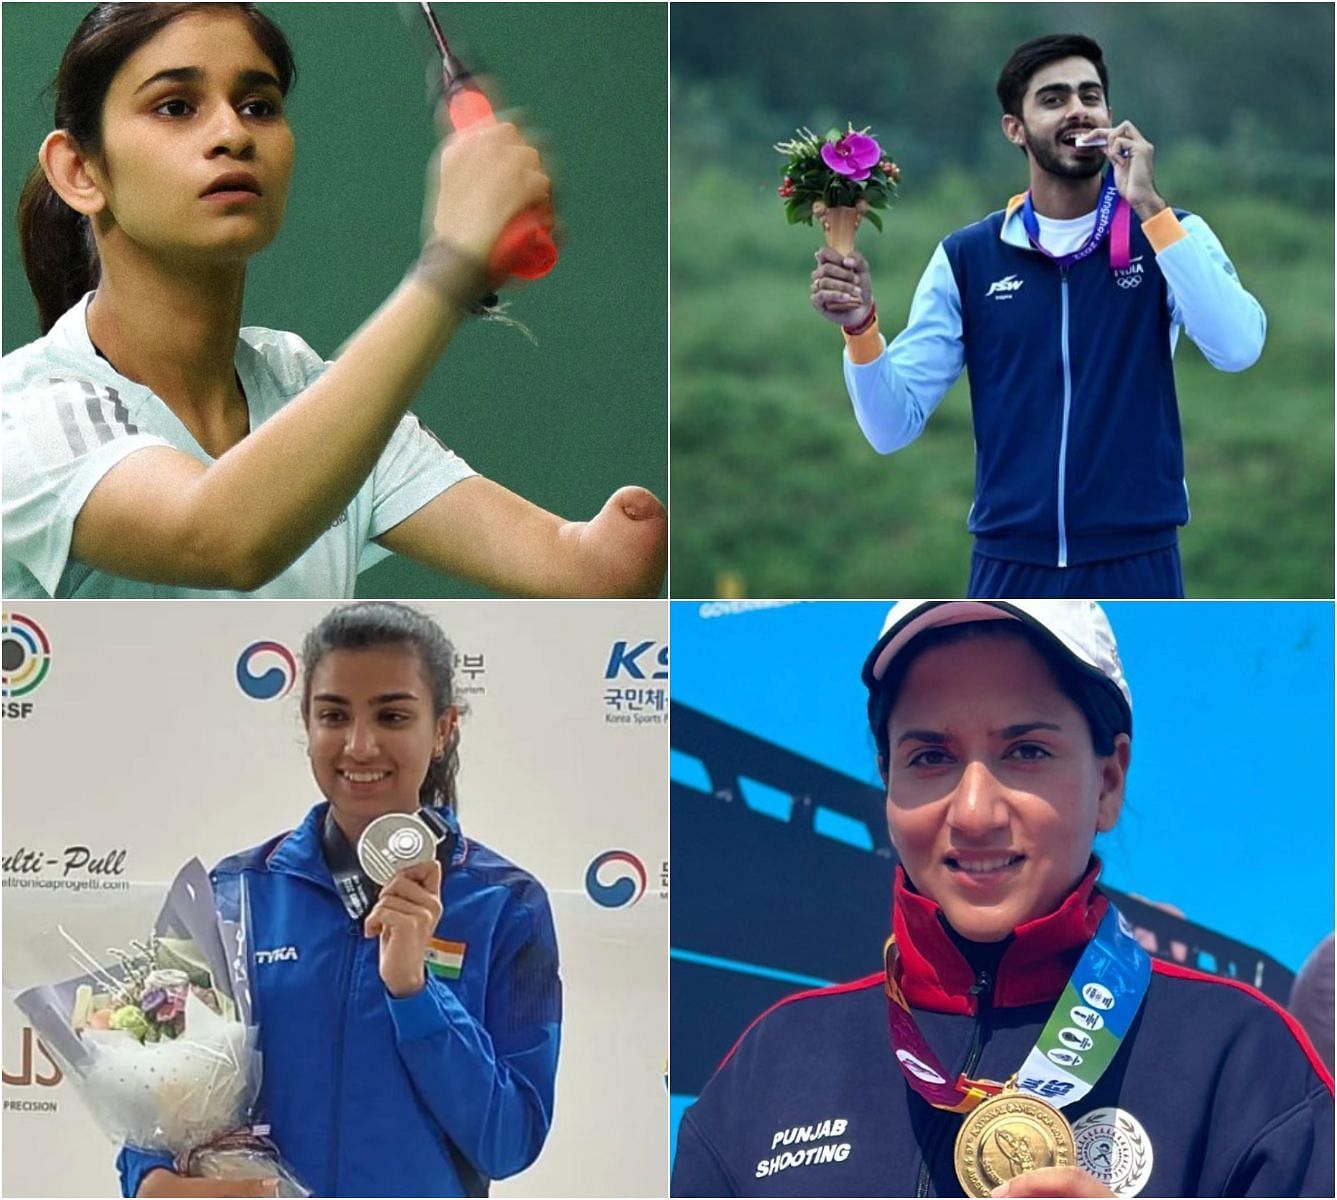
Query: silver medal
[[395, 841]]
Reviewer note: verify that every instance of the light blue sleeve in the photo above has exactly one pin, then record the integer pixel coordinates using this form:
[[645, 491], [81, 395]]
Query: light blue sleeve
[[1208, 301], [895, 395], [491, 1088], [415, 468]]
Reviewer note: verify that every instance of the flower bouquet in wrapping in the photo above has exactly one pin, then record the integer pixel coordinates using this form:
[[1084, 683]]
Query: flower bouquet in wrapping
[[841, 179], [160, 1040]]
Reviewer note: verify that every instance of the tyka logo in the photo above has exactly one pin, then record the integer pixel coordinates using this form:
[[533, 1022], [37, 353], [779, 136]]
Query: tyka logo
[[628, 882], [638, 661], [1002, 289], [275, 681], [282, 954], [26, 654]]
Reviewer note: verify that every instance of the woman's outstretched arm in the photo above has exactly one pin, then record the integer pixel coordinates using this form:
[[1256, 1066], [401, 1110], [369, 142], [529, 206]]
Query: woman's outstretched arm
[[163, 517], [478, 530]]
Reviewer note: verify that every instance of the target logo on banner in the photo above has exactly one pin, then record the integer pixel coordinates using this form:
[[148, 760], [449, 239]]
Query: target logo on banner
[[266, 670], [26, 655], [615, 888]]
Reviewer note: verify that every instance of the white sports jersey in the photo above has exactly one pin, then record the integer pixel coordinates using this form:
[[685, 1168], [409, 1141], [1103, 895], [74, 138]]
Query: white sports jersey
[[69, 418]]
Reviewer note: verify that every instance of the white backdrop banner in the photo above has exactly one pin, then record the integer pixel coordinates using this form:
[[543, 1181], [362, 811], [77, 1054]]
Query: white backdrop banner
[[139, 735]]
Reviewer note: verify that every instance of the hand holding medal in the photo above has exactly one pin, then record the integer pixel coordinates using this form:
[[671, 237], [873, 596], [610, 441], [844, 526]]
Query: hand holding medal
[[1053, 1181], [1008, 1137], [405, 916], [1132, 158]]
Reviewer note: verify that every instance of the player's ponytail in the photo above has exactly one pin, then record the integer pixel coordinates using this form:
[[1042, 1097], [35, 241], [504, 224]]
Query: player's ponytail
[[59, 253]]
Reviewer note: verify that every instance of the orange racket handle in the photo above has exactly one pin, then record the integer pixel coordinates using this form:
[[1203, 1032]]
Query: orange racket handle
[[525, 248]]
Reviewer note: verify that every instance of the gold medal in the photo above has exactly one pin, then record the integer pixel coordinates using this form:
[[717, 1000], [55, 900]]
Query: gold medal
[[1006, 1135]]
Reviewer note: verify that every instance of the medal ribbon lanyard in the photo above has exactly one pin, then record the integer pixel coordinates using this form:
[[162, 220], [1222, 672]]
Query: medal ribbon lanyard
[[1077, 1044], [1113, 216]]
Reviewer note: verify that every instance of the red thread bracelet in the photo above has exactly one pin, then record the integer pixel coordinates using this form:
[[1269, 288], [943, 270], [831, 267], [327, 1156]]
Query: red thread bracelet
[[865, 325]]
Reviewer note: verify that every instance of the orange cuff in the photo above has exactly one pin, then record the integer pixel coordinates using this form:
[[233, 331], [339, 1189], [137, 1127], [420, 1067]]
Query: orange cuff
[[1163, 230], [864, 347]]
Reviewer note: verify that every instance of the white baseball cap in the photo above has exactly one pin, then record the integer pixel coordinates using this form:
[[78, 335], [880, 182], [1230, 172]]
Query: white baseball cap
[[1077, 628]]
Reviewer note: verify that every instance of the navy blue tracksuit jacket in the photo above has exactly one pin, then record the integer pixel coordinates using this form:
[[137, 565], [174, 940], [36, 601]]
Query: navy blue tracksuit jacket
[[1078, 452]]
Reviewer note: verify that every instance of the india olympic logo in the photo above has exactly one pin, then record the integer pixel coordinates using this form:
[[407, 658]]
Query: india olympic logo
[[271, 683], [627, 886], [26, 654]]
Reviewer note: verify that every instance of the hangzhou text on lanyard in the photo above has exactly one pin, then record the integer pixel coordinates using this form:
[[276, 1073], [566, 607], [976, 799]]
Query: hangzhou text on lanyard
[[1113, 217]]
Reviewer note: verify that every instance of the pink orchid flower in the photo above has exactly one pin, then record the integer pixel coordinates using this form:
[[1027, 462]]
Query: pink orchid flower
[[854, 155]]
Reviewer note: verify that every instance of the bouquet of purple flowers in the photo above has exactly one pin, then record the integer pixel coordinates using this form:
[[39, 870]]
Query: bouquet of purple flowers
[[838, 178]]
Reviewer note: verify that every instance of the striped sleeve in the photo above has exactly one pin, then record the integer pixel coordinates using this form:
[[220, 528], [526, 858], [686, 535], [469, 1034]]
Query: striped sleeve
[[62, 434]]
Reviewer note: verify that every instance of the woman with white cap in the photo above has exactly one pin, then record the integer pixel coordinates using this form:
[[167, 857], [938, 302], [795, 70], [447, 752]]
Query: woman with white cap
[[1018, 1042]]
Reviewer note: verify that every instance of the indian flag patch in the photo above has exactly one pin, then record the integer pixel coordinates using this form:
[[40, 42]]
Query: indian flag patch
[[444, 959]]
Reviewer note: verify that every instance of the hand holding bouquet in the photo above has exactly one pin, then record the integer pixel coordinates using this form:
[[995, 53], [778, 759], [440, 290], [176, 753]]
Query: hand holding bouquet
[[839, 179], [161, 1043]]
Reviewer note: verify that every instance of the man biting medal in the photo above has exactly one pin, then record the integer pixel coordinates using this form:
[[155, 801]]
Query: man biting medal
[[1064, 308]]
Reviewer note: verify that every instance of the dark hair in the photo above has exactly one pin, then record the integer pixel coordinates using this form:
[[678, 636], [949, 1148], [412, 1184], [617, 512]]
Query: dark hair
[[1098, 699], [373, 623], [1030, 57], [59, 254]]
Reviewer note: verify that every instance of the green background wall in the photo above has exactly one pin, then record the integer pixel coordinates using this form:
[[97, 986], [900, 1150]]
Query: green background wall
[[564, 424]]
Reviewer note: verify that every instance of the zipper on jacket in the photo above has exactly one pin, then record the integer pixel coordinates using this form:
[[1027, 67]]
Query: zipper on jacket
[[1063, 438], [354, 929], [983, 992]]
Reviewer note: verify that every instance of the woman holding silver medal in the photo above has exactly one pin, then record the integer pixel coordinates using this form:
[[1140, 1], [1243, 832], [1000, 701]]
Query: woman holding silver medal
[[408, 994], [1019, 1041]]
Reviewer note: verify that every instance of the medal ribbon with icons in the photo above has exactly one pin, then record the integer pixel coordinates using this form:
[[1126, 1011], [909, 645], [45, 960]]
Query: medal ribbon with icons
[[1078, 1042]]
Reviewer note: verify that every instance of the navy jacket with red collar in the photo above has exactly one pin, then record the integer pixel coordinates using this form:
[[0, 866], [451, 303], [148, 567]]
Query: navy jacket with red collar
[[1216, 1091]]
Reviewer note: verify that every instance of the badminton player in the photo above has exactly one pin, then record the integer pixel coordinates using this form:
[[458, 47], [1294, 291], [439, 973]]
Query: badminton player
[[153, 447]]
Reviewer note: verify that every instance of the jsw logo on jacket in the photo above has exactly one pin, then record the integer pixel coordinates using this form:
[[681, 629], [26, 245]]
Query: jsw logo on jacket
[[1079, 454]]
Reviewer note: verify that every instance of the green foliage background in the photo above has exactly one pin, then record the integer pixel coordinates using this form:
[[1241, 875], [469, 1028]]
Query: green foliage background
[[776, 493]]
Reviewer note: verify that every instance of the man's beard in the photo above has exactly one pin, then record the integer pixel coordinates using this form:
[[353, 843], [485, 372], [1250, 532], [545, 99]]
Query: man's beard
[[1048, 160]]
